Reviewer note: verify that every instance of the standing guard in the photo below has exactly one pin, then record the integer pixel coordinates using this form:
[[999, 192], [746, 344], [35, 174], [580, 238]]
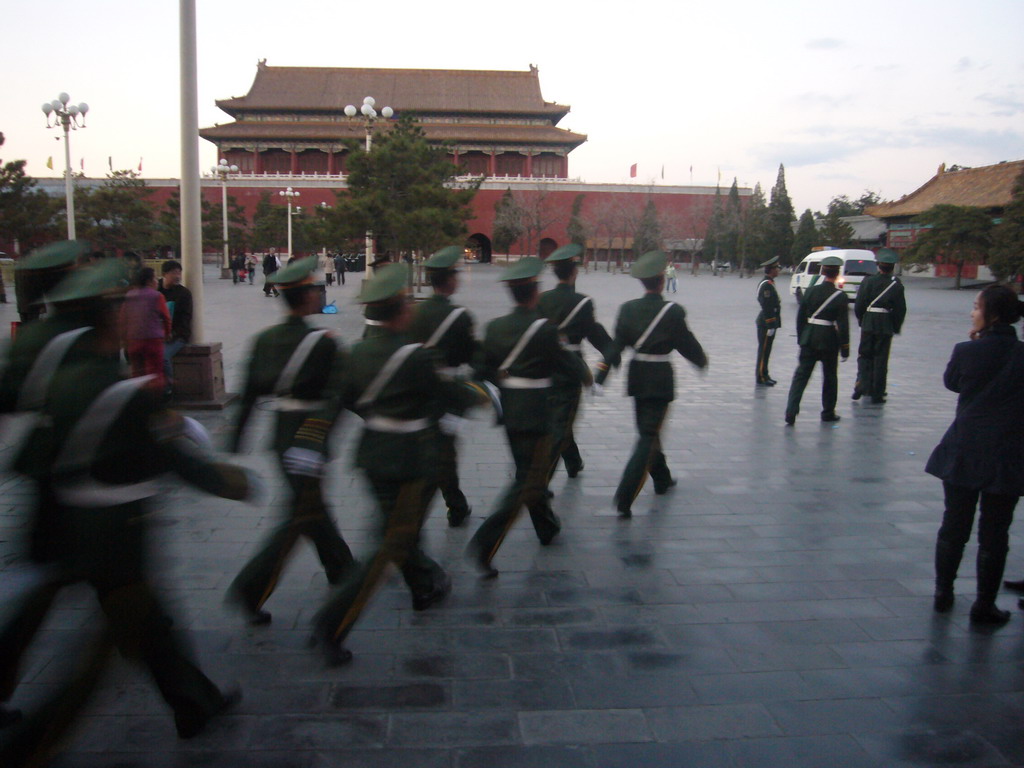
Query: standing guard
[[573, 314], [823, 328], [881, 308], [394, 386], [299, 367], [439, 324], [654, 328], [769, 320], [522, 356]]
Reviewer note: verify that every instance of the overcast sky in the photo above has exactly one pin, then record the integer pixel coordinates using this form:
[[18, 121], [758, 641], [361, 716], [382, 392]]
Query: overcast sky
[[849, 96]]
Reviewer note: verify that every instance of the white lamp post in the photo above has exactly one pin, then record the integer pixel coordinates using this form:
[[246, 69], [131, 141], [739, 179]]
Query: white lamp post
[[369, 115], [221, 170], [70, 118], [288, 194]]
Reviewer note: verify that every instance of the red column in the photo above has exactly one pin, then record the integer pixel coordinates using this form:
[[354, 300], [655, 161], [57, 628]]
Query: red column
[[565, 166], [455, 157], [492, 165], [529, 165], [331, 165], [257, 161], [295, 163]]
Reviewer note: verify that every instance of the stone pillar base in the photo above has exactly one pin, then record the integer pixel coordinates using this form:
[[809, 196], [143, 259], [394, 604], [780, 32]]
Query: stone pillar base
[[199, 378]]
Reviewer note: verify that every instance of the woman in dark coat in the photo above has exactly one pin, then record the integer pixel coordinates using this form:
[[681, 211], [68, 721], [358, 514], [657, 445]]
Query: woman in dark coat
[[981, 456]]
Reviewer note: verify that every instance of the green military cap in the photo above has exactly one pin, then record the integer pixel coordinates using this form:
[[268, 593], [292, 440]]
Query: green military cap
[[524, 269], [771, 262], [887, 256], [107, 278], [570, 251], [651, 264], [445, 258], [386, 283], [831, 261], [63, 253], [298, 273]]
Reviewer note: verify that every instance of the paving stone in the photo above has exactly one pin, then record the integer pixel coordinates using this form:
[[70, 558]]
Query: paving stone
[[584, 727]]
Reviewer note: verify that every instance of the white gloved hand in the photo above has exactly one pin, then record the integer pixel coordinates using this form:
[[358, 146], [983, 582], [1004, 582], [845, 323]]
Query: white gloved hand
[[302, 461], [597, 390], [197, 433], [450, 424]]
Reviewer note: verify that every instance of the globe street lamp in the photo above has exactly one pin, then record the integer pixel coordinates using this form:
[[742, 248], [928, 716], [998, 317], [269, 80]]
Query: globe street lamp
[[369, 115], [221, 170], [288, 194], [70, 118]]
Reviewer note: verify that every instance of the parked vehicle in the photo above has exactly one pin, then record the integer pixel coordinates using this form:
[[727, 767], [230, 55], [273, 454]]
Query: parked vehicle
[[857, 264]]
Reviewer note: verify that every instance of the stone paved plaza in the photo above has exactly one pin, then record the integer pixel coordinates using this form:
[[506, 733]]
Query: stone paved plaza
[[774, 609]]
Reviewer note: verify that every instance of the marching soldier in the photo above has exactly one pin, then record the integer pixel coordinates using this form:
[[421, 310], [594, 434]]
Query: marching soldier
[[823, 328], [108, 441], [522, 355], [573, 315], [299, 367], [439, 324], [654, 328], [393, 384], [769, 320], [881, 308]]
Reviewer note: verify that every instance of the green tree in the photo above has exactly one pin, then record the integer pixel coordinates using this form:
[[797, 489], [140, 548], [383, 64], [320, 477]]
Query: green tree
[[780, 218], [716, 229], [168, 232], [27, 214], [806, 236], [117, 215], [508, 225], [648, 232], [577, 229], [754, 242], [732, 226], [835, 231], [842, 205], [405, 191], [269, 225], [1006, 259], [957, 234]]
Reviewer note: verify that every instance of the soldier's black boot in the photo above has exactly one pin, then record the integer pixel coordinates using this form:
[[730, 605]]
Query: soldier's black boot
[[990, 575], [947, 563]]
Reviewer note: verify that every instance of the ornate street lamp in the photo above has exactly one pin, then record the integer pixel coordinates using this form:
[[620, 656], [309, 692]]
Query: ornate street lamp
[[222, 170], [70, 118], [288, 194], [369, 114]]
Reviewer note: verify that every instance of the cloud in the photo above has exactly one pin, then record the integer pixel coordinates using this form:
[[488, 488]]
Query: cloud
[[826, 43], [810, 100], [1005, 106], [963, 64]]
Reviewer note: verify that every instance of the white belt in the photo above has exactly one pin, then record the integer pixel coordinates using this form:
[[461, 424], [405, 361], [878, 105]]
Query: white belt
[[374, 323], [643, 357], [92, 494], [396, 426], [449, 372], [819, 321], [521, 382], [288, 404], [878, 309], [572, 347]]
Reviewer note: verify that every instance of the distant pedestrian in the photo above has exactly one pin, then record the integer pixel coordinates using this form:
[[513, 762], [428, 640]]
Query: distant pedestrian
[[145, 325], [271, 263], [237, 264], [251, 262], [880, 308], [981, 456], [179, 304], [339, 268], [670, 278], [769, 320]]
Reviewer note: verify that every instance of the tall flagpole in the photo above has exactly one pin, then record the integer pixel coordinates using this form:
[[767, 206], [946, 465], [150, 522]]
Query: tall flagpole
[[191, 206]]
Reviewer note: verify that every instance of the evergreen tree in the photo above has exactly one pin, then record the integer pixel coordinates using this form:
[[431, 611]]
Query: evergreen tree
[[1006, 259], [834, 231], [27, 214], [780, 218], [806, 237], [508, 225], [957, 234], [577, 230], [755, 234], [117, 215], [169, 224], [730, 240], [716, 225], [648, 232], [269, 225]]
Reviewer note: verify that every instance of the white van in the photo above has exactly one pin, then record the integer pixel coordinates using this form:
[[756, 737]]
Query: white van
[[857, 265]]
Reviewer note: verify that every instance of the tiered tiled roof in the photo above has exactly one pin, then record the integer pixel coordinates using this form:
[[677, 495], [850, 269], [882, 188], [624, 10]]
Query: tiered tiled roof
[[990, 186]]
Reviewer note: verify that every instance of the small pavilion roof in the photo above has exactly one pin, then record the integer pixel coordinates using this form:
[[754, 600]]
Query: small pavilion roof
[[990, 186]]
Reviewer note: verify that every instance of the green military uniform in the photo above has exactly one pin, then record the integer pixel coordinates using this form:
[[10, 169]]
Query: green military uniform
[[39, 272], [300, 367], [650, 381], [823, 328], [439, 324], [881, 308], [525, 385], [573, 314], [769, 320], [393, 384], [108, 440]]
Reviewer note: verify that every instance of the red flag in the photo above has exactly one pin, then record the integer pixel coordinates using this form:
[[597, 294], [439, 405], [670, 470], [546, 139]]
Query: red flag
[[140, 165], [632, 171], [82, 163]]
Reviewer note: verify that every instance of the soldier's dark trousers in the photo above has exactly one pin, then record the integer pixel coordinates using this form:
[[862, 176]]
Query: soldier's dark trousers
[[307, 516], [873, 363], [565, 403], [829, 385], [647, 455], [764, 352], [448, 479], [531, 452], [19, 629], [403, 508]]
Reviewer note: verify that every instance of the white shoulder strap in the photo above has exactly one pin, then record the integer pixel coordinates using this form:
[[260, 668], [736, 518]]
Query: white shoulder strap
[[33, 389], [884, 291], [442, 329], [654, 323], [575, 311], [294, 364], [825, 303], [521, 344], [386, 373]]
